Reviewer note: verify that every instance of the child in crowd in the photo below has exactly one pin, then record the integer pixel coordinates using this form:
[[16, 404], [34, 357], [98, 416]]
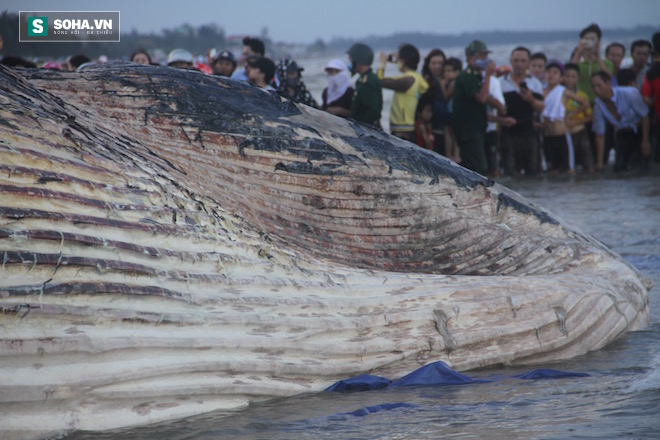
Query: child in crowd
[[537, 64], [423, 117], [577, 115], [627, 78], [452, 68], [557, 143]]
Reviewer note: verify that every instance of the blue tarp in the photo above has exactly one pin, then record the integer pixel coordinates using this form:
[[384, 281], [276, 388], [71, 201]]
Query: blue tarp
[[436, 373], [363, 382]]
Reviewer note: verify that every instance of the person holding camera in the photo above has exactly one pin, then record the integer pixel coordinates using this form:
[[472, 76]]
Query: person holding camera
[[469, 118], [523, 94], [408, 87], [587, 56]]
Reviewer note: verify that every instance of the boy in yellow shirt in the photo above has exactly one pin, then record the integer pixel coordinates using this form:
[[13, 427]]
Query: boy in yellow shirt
[[576, 118]]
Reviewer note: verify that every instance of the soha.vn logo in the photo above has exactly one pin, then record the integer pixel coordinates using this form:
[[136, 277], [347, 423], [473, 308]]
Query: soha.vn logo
[[37, 26]]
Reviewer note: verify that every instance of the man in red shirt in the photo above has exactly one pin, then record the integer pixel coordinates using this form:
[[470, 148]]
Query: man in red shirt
[[651, 91]]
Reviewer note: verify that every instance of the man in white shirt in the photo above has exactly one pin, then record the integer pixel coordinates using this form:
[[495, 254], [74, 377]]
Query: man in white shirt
[[523, 95]]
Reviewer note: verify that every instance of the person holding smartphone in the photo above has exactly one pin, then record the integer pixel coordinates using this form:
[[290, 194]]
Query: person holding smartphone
[[587, 56], [523, 94]]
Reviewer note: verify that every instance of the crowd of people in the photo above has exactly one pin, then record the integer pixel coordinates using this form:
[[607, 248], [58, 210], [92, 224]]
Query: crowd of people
[[532, 116], [537, 115]]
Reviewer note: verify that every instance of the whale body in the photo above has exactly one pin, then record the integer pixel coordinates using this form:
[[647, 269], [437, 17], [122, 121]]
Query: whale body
[[174, 244]]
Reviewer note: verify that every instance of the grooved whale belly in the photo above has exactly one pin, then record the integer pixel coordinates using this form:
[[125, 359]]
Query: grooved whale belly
[[174, 244]]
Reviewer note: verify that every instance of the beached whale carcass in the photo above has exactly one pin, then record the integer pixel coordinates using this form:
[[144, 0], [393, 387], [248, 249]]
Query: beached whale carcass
[[174, 243]]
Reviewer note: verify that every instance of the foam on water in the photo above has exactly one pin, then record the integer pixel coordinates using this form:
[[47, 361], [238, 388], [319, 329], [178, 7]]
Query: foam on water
[[650, 380]]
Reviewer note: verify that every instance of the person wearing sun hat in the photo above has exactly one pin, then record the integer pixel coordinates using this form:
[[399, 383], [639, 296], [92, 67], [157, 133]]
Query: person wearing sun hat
[[338, 96], [469, 117], [180, 59]]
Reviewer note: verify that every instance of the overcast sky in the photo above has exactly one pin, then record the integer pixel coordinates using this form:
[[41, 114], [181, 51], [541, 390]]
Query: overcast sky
[[303, 21]]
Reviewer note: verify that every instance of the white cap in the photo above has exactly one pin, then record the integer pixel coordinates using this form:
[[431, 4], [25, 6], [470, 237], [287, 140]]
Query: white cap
[[180, 55], [336, 64]]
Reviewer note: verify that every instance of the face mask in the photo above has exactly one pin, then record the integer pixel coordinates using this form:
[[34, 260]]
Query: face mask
[[481, 64], [351, 68], [292, 82]]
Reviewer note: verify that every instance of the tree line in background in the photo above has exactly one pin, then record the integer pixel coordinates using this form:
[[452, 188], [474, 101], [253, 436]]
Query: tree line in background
[[429, 40], [197, 40], [202, 38]]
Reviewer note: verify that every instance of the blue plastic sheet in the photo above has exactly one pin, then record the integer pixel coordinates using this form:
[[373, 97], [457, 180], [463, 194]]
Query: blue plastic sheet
[[433, 374], [363, 382], [436, 373]]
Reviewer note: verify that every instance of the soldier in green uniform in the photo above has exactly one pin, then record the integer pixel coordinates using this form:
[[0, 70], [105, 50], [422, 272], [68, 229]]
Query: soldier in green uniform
[[368, 99], [469, 118]]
